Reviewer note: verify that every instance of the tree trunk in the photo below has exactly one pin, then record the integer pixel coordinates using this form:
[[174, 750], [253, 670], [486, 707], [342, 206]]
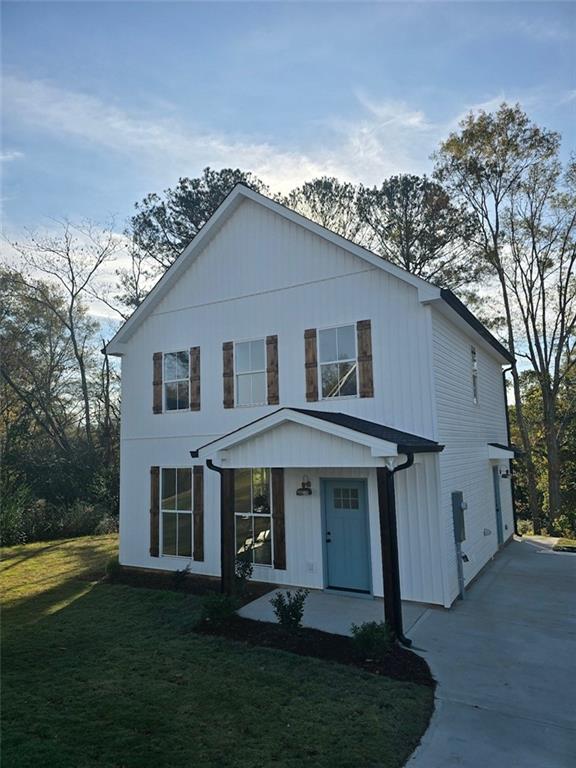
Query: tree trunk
[[533, 499], [553, 455]]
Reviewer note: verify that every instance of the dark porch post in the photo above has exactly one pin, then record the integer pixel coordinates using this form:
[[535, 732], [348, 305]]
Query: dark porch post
[[227, 544], [389, 545]]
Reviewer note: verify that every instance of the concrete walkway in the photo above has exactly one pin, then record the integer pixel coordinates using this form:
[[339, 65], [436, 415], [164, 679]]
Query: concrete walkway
[[505, 662], [333, 612]]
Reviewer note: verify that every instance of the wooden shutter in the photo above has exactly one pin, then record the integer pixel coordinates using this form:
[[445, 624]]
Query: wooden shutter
[[272, 370], [194, 378], [311, 365], [155, 511], [157, 382], [198, 473], [278, 526], [228, 373], [365, 372]]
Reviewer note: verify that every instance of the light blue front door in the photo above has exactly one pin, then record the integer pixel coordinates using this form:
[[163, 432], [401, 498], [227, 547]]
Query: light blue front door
[[346, 534]]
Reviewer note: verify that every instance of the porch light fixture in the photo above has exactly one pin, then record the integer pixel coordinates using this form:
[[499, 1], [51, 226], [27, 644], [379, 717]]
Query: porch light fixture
[[305, 487], [504, 473]]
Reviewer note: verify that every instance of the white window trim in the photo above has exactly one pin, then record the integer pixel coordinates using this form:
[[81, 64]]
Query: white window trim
[[335, 362], [256, 514], [172, 381], [176, 512], [249, 373]]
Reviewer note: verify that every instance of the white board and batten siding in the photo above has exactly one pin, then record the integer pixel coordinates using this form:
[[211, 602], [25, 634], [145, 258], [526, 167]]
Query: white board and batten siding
[[260, 275], [466, 428]]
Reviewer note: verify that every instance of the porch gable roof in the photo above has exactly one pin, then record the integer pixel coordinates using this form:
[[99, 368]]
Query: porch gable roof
[[381, 440]]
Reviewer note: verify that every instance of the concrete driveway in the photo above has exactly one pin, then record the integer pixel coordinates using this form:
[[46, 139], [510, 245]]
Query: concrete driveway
[[505, 662]]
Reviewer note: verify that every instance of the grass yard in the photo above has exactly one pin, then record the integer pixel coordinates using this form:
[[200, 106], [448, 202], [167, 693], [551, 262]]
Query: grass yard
[[104, 675]]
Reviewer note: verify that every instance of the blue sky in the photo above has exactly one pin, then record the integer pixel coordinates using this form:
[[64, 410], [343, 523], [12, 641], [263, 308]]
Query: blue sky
[[104, 102]]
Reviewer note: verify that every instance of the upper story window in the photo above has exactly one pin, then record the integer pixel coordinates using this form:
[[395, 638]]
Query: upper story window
[[250, 364], [338, 361], [176, 381], [474, 363], [176, 511]]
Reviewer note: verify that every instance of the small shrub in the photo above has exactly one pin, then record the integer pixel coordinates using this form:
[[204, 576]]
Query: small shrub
[[179, 577], [243, 570], [107, 524], [372, 639], [525, 527], [289, 608], [113, 569], [218, 609]]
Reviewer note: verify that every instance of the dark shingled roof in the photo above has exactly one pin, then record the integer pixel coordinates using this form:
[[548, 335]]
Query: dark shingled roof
[[406, 442], [515, 451]]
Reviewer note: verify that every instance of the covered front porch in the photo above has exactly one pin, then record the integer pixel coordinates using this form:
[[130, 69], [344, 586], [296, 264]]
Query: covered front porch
[[326, 517], [335, 613]]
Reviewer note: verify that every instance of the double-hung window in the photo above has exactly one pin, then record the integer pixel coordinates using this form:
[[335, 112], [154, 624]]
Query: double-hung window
[[474, 364], [338, 361], [253, 515], [176, 381], [176, 511], [250, 364]]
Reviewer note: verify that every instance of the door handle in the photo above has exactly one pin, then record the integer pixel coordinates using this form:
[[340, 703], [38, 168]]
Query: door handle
[[328, 540]]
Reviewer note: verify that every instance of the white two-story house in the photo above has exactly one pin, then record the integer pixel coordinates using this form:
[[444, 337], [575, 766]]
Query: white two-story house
[[290, 397]]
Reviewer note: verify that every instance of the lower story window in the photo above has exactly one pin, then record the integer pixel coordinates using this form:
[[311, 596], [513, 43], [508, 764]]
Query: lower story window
[[253, 515], [176, 509]]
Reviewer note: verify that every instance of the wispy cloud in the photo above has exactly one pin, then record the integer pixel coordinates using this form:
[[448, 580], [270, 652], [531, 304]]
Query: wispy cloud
[[9, 155], [382, 137], [388, 137]]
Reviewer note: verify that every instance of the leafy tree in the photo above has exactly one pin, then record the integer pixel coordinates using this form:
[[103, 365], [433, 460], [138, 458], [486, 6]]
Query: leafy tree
[[540, 270], [330, 203], [483, 165], [413, 223]]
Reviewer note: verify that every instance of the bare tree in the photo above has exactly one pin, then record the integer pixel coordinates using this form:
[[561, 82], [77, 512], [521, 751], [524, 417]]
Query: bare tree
[[540, 273], [483, 165], [74, 261]]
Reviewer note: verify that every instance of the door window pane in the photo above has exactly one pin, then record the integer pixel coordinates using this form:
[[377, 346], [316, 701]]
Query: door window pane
[[169, 533]]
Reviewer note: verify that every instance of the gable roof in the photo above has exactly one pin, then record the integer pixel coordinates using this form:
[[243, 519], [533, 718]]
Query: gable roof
[[382, 440], [427, 292]]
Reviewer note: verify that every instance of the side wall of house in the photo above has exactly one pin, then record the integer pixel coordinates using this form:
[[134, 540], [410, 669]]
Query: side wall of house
[[466, 428]]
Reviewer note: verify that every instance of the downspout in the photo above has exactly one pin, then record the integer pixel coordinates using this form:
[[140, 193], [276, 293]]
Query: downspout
[[224, 587], [512, 482], [394, 600]]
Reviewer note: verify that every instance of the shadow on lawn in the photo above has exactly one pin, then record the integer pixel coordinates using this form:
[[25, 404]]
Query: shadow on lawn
[[27, 596]]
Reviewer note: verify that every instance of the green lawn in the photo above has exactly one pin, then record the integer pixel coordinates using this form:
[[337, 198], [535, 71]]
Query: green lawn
[[105, 675]]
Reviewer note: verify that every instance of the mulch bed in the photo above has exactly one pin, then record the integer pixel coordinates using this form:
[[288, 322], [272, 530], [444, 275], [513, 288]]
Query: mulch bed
[[399, 663], [192, 583]]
